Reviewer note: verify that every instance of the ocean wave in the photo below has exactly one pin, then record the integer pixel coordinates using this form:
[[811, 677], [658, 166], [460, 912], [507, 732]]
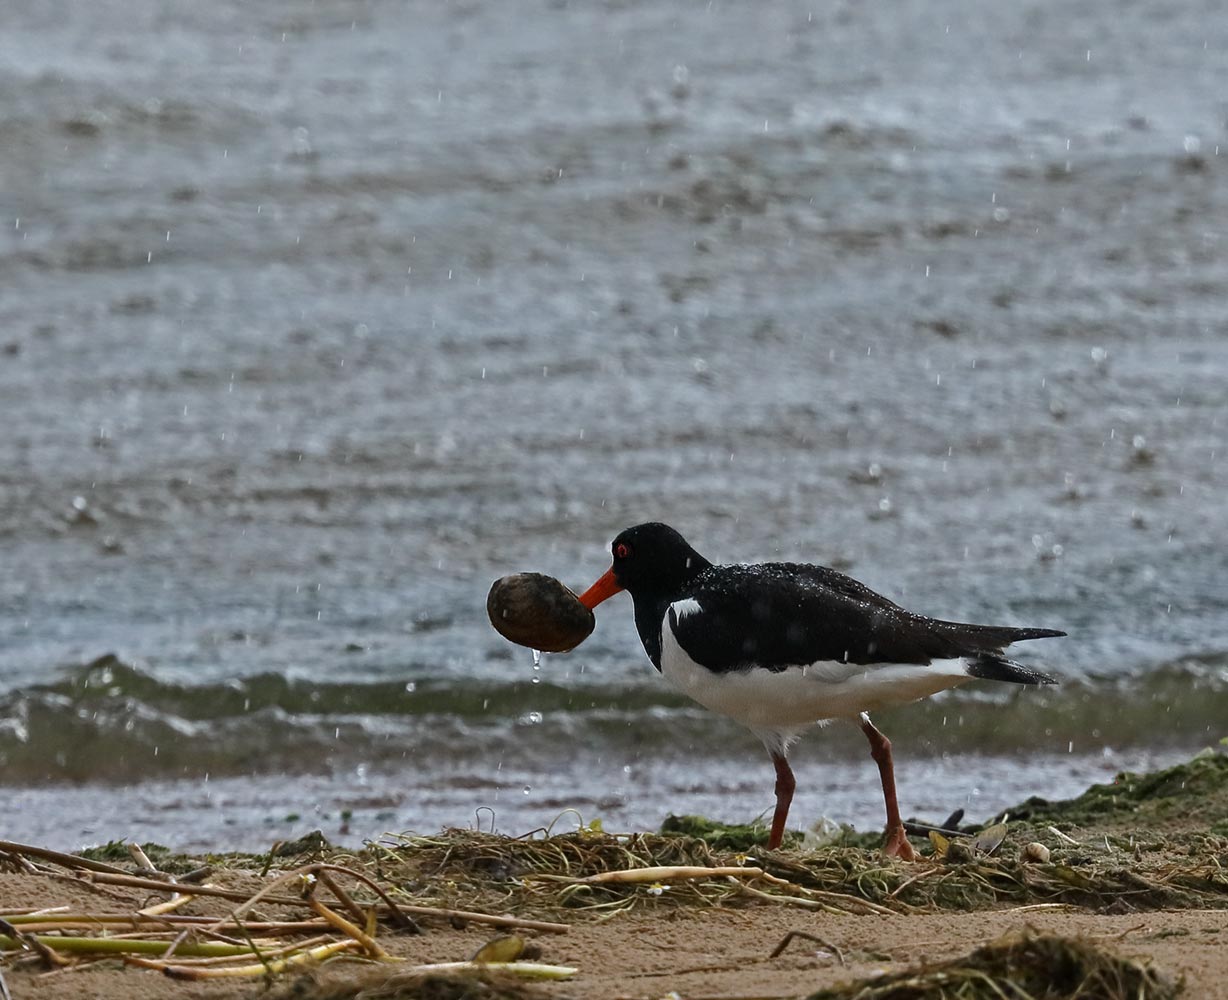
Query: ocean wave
[[114, 722]]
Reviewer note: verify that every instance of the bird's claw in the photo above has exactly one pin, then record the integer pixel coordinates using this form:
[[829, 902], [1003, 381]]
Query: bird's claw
[[897, 846]]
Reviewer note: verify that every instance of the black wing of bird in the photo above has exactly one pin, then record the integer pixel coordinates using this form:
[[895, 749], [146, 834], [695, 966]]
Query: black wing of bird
[[780, 615]]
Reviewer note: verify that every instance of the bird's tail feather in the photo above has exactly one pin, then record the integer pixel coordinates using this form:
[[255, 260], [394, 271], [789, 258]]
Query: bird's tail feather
[[999, 635], [1019, 634], [994, 667]]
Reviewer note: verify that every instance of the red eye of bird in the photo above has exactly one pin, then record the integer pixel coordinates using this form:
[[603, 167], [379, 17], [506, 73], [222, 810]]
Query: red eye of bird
[[622, 551]]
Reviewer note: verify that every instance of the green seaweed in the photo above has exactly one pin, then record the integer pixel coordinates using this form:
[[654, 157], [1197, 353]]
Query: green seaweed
[[163, 858], [722, 836], [1194, 793]]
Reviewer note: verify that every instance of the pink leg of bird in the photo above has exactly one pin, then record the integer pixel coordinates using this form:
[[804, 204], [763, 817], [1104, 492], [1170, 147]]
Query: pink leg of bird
[[896, 844], [784, 796]]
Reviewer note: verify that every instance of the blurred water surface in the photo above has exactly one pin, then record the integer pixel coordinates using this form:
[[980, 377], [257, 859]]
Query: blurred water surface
[[316, 318]]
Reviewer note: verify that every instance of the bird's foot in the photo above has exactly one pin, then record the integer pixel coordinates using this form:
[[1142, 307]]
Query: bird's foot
[[897, 846]]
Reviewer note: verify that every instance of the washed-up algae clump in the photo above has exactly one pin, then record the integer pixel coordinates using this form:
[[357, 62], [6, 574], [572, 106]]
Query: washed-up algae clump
[[722, 836], [1024, 966], [533, 874], [745, 837], [472, 871], [1186, 796], [1144, 842]]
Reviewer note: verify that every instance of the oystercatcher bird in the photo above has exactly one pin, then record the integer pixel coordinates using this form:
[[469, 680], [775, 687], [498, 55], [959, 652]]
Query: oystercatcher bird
[[777, 646]]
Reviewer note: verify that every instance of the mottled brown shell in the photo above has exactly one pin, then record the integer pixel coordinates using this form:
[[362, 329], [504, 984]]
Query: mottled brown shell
[[537, 611]]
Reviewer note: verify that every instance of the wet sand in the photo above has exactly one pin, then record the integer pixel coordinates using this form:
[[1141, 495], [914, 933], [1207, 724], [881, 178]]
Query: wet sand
[[723, 954]]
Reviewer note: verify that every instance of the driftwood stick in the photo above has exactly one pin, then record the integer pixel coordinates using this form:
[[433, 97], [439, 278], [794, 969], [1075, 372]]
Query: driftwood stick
[[26, 865], [141, 858], [67, 860]]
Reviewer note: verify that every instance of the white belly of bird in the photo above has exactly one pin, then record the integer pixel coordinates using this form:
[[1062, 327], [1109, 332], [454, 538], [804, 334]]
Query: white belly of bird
[[786, 700]]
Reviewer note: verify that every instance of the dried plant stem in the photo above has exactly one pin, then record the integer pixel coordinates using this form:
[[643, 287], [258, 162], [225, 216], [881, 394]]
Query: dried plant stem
[[160, 963], [260, 968], [169, 906], [806, 904], [818, 899], [397, 912], [909, 881], [34, 923], [372, 947], [526, 970], [789, 938], [266, 894], [343, 897], [136, 882], [112, 945], [387, 909], [667, 873], [491, 919]]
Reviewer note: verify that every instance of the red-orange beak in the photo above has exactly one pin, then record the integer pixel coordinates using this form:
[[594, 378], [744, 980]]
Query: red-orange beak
[[603, 589]]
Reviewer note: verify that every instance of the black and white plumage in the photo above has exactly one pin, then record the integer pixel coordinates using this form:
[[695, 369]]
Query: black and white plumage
[[779, 646]]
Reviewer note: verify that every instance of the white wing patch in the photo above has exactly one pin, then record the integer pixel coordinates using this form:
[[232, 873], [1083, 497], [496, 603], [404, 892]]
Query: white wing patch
[[681, 609]]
